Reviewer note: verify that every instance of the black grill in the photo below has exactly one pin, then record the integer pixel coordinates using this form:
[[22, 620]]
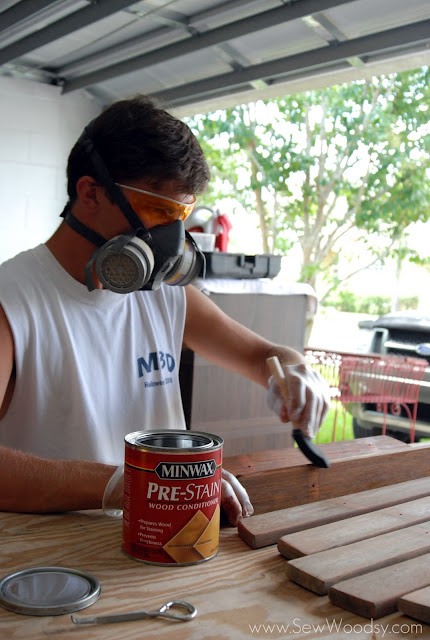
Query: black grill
[[409, 338]]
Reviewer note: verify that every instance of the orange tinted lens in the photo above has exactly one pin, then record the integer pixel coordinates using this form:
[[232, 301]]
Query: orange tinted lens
[[159, 209]]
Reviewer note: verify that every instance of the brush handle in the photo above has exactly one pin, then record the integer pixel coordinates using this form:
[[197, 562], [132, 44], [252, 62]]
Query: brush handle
[[278, 373], [306, 446]]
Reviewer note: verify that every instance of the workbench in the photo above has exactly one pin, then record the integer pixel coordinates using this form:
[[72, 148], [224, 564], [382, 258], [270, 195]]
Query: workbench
[[235, 592]]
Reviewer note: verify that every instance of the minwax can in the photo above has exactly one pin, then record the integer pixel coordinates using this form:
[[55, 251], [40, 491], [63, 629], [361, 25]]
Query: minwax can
[[172, 494]]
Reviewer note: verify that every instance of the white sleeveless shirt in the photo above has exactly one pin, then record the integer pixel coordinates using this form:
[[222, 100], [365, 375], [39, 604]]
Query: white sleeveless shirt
[[90, 366]]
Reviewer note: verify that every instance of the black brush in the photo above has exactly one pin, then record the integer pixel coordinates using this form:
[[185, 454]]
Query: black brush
[[305, 444], [310, 450]]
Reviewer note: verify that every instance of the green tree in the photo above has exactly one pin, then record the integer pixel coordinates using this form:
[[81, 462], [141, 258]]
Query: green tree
[[318, 165]]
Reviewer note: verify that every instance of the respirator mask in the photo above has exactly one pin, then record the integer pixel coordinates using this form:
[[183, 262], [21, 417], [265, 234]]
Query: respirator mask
[[141, 259]]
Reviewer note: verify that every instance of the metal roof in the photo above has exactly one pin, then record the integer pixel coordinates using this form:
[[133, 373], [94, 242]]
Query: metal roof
[[203, 54]]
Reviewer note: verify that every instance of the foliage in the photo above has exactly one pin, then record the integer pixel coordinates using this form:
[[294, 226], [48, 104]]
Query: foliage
[[349, 159], [373, 305], [408, 304], [338, 422]]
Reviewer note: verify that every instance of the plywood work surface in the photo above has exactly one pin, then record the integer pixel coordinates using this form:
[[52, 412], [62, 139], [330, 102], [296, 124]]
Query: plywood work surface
[[235, 593]]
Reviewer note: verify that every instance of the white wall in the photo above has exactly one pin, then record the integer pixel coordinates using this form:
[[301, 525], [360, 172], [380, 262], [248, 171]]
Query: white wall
[[38, 127]]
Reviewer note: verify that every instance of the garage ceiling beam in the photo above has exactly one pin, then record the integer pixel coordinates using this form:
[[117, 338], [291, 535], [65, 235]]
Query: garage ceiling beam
[[22, 11], [394, 39], [335, 34], [229, 7], [145, 42], [62, 27], [216, 36], [158, 14]]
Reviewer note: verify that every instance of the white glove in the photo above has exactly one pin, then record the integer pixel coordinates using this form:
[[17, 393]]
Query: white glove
[[308, 398], [234, 498]]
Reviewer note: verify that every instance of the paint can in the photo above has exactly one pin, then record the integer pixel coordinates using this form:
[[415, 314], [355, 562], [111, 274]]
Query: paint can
[[172, 496]]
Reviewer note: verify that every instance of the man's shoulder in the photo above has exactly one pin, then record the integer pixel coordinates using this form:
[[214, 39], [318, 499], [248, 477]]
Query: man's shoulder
[[29, 256], [19, 275], [166, 294]]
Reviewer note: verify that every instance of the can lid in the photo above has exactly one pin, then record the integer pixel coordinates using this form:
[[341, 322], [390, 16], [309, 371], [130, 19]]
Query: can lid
[[48, 591], [173, 440]]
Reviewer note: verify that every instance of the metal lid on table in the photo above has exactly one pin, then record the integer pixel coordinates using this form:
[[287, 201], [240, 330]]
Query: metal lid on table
[[48, 591]]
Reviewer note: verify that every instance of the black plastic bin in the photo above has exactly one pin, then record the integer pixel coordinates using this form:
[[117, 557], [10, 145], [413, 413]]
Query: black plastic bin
[[237, 265]]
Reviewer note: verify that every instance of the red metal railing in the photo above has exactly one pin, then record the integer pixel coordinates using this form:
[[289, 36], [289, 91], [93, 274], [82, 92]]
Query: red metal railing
[[389, 382]]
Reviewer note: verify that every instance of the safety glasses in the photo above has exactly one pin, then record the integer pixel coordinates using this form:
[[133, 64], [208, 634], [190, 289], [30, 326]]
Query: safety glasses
[[160, 209]]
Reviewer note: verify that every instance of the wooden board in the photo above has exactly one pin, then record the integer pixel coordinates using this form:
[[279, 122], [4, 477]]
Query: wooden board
[[265, 529], [319, 571], [416, 605], [375, 594], [337, 534], [259, 461], [290, 486]]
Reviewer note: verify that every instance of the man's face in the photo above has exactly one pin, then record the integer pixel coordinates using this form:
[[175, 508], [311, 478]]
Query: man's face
[[157, 207]]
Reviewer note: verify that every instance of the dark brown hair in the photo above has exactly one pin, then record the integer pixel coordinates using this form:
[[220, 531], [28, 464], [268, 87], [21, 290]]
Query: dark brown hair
[[138, 139]]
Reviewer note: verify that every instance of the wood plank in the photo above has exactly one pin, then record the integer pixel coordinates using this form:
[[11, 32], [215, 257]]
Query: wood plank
[[319, 571], [290, 486], [375, 594], [416, 605], [265, 529], [259, 461], [337, 534]]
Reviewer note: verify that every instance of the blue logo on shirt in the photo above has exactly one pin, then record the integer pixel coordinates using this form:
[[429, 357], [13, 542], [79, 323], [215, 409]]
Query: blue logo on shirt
[[155, 362]]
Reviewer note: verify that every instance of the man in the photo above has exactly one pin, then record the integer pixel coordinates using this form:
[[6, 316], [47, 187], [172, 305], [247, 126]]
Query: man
[[81, 364]]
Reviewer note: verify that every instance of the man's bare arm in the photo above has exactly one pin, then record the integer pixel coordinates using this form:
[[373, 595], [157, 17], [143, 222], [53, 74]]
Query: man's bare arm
[[225, 342], [215, 336], [32, 484], [7, 359]]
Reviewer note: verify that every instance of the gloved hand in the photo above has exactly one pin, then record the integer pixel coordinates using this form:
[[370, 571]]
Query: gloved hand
[[234, 499], [308, 398]]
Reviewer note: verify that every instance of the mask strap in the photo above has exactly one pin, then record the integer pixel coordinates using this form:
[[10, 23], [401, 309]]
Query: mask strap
[[81, 228], [115, 193], [89, 279]]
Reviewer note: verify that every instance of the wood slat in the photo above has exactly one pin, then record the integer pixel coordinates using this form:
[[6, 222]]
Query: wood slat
[[319, 571], [265, 529], [343, 532], [297, 485], [416, 605], [375, 594], [259, 461]]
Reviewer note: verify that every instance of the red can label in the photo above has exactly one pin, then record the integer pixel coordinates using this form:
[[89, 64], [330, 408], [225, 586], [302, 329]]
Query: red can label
[[171, 505]]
